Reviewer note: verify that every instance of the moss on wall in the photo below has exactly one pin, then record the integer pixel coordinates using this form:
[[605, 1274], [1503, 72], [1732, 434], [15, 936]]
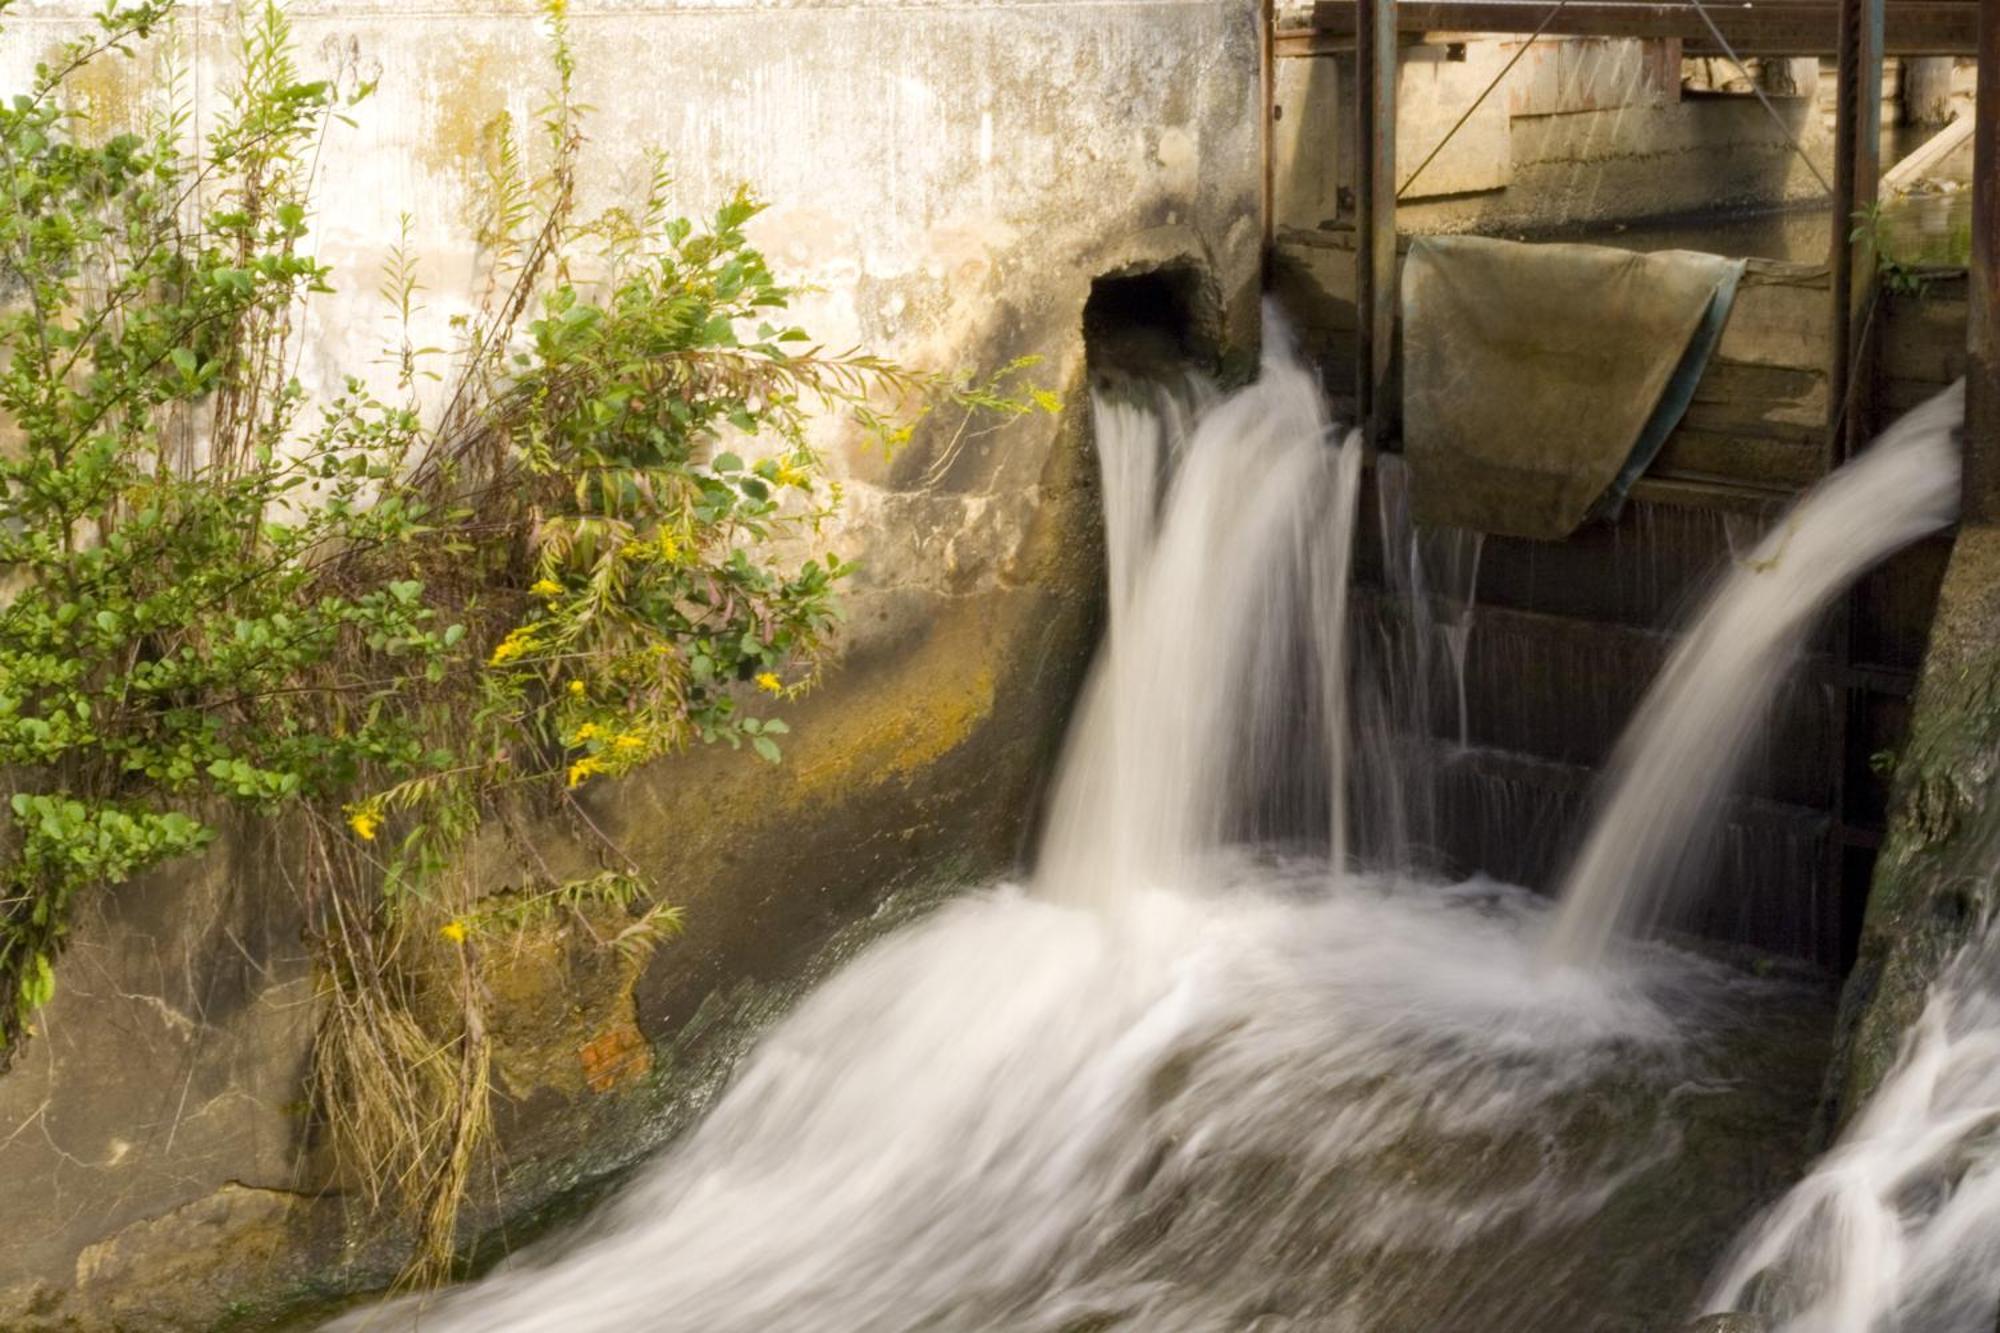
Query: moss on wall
[[1934, 882]]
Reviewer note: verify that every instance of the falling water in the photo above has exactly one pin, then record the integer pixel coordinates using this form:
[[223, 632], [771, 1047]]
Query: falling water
[[1410, 656], [1235, 580], [1899, 1226], [1202, 1074], [1675, 763]]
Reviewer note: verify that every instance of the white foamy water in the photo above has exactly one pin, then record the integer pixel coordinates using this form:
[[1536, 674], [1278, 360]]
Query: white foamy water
[[1170, 1115], [1678, 759], [1898, 1227], [1200, 1074], [1227, 592]]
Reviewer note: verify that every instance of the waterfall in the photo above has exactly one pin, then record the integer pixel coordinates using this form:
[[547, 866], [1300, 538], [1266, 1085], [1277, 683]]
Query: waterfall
[[1899, 1226], [1204, 1072], [1227, 592], [1677, 760], [1409, 672]]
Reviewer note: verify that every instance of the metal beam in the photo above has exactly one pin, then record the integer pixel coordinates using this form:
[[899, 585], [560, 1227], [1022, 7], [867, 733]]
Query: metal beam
[[1267, 134], [1857, 166], [1857, 177], [1375, 215], [1768, 27], [1982, 388]]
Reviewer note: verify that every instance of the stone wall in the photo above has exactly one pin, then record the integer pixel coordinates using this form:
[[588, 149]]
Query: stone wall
[[951, 178]]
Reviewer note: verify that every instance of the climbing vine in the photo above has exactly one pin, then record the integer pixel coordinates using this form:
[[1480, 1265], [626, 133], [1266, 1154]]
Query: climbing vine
[[388, 629]]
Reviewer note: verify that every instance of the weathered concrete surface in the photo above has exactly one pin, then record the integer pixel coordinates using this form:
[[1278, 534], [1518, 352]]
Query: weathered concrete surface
[[951, 179], [1936, 878], [1580, 132]]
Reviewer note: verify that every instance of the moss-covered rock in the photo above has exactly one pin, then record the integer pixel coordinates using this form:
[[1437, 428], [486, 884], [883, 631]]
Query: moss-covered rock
[[1935, 879]]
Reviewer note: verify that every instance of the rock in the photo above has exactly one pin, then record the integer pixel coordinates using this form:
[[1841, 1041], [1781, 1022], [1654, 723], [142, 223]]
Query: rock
[[1934, 880]]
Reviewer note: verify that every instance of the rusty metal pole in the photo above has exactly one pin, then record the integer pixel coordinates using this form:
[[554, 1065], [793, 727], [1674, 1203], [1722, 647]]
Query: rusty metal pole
[[1857, 170], [1982, 388], [1375, 215], [1849, 380], [1857, 177]]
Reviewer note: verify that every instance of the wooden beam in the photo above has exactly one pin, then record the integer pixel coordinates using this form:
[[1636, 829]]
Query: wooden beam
[[1857, 167], [1375, 215], [1982, 387], [1768, 27]]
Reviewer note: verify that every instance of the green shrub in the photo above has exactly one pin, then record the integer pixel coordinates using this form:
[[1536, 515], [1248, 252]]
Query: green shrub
[[391, 629]]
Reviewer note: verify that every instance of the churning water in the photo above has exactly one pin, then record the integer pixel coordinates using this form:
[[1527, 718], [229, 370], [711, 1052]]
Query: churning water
[[1199, 1073], [1898, 1228]]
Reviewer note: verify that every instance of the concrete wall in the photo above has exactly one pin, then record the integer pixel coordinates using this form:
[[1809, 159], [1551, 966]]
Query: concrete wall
[[1580, 132], [952, 177]]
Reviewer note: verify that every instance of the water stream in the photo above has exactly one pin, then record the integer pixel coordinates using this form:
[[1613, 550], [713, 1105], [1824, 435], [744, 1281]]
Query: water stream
[[1201, 1072], [1678, 759]]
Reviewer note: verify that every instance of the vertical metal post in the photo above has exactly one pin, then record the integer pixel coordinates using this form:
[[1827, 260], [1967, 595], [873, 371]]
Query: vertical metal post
[[1375, 215], [1857, 178], [1267, 134], [1850, 382], [1982, 388]]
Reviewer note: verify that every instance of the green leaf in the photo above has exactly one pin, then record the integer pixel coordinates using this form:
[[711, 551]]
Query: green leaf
[[38, 985]]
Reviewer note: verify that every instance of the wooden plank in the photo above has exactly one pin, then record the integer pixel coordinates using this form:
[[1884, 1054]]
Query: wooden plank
[[1780, 403], [1779, 324], [1744, 460], [1770, 27], [1934, 150]]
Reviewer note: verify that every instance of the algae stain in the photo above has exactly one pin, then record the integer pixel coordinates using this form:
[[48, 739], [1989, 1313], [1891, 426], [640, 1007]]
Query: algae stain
[[564, 1015], [107, 92], [463, 105], [896, 735]]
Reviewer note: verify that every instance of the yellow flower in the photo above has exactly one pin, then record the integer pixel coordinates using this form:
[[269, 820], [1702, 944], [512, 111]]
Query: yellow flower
[[364, 820], [546, 588], [589, 731], [518, 641], [576, 688], [583, 768], [628, 741], [769, 683], [453, 930], [1047, 401]]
